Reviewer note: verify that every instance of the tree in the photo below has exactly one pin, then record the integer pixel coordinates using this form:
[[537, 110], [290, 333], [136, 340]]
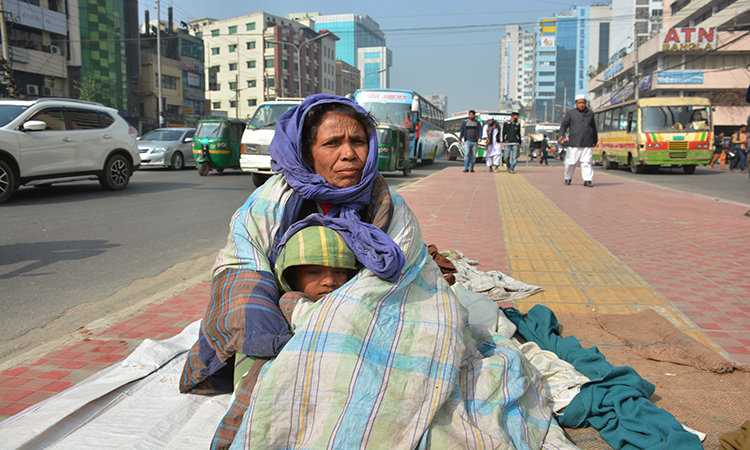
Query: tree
[[88, 89], [594, 71]]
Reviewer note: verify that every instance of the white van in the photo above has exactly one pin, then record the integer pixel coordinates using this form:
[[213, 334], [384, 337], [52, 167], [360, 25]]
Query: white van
[[258, 135]]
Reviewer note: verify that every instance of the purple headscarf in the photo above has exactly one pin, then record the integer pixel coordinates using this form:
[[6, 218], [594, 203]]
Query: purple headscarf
[[371, 245]]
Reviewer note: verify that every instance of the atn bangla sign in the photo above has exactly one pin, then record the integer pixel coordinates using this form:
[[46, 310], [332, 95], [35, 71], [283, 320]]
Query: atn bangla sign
[[689, 39]]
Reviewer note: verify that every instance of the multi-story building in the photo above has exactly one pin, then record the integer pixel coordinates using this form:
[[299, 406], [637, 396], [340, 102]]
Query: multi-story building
[[37, 37], [517, 66], [255, 57], [374, 64], [697, 53], [347, 79], [329, 50], [360, 41], [599, 36], [642, 18], [562, 62], [182, 76], [440, 101]]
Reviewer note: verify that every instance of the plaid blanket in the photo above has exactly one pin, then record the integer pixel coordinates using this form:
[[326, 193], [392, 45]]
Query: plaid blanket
[[388, 365]]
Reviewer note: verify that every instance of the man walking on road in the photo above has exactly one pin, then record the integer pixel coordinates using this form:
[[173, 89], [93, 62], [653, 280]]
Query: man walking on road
[[581, 141], [719, 151], [471, 131], [512, 140], [739, 144]]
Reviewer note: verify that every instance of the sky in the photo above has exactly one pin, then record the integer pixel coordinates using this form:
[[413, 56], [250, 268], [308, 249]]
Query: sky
[[440, 46]]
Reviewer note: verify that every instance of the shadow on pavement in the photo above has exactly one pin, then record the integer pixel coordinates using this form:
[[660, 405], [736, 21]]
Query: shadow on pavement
[[41, 254]]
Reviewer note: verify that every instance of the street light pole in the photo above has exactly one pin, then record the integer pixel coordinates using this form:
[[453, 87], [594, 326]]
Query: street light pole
[[298, 48], [371, 73]]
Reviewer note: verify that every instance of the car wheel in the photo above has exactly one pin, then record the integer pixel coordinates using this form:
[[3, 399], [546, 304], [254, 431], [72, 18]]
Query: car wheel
[[116, 173], [7, 181], [203, 169], [178, 161], [259, 179]]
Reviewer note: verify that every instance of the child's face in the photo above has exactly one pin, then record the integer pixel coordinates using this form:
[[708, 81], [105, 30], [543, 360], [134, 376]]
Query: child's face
[[317, 281]]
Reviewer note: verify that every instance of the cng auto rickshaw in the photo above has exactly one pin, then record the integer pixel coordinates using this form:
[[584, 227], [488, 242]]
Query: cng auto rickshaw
[[216, 144], [393, 149]]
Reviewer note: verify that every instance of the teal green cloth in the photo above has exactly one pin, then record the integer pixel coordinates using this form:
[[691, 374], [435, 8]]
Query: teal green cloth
[[616, 401]]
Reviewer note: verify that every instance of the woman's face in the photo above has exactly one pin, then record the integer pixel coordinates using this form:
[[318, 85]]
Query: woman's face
[[340, 149]]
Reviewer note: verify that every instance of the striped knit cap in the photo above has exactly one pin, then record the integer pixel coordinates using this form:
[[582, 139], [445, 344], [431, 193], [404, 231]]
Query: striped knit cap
[[313, 245]]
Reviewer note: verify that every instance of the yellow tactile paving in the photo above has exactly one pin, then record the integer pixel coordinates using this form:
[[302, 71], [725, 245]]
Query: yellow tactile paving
[[546, 247]]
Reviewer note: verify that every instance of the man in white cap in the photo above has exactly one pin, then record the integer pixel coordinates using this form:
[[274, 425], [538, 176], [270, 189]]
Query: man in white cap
[[581, 141]]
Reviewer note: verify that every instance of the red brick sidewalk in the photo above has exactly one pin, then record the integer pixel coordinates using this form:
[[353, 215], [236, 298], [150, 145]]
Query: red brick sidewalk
[[38, 379]]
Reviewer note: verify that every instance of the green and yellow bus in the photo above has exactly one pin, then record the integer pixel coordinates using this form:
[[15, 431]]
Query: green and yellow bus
[[652, 132]]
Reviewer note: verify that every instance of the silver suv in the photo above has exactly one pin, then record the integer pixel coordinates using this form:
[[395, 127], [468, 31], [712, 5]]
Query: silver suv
[[56, 140]]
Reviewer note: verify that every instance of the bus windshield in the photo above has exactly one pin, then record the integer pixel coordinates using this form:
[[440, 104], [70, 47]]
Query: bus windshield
[[675, 119], [212, 130], [390, 113], [267, 115]]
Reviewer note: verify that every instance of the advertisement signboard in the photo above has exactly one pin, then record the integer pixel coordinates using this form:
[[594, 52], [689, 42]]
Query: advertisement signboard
[[547, 42], [193, 79], [689, 39], [213, 78], [680, 77]]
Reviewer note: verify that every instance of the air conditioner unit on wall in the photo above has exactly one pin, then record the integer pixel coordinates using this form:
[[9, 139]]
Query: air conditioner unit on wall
[[55, 50], [32, 89], [48, 91]]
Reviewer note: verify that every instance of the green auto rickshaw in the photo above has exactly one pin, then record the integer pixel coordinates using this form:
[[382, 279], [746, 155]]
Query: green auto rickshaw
[[216, 144], [393, 149]]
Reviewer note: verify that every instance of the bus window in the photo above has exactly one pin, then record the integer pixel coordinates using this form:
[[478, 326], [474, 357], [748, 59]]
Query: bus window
[[607, 121], [632, 118], [665, 119], [615, 124]]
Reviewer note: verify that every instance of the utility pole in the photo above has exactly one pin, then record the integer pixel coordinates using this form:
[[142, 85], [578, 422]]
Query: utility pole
[[635, 67], [3, 33], [158, 63], [237, 84]]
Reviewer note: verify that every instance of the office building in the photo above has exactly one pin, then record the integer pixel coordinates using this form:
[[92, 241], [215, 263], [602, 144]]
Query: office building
[[253, 58], [374, 65], [440, 101], [347, 79], [640, 17], [354, 32], [697, 54], [562, 62], [517, 66], [600, 26]]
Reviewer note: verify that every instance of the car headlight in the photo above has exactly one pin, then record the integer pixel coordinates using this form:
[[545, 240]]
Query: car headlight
[[159, 150]]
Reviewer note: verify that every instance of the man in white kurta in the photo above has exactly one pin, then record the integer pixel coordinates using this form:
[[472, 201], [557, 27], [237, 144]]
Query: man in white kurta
[[493, 153], [581, 141]]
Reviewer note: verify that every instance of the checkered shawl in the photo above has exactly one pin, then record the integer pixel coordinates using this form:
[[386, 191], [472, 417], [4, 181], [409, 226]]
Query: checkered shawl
[[383, 365]]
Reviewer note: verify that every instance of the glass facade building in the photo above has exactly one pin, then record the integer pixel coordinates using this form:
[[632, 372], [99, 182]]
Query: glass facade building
[[354, 32], [103, 53]]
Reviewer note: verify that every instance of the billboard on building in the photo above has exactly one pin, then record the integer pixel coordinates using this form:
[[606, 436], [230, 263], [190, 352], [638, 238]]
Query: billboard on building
[[193, 79], [213, 78], [689, 39], [547, 42], [680, 77]]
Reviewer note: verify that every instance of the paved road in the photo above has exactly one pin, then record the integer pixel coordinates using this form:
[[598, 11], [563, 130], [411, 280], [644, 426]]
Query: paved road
[[71, 246]]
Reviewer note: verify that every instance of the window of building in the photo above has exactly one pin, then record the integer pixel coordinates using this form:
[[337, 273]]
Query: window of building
[[251, 64], [546, 83], [252, 102], [233, 30], [215, 33], [232, 48], [232, 103], [269, 63], [214, 50], [250, 45], [216, 105], [199, 35], [167, 82], [250, 26], [269, 44], [232, 66], [173, 109], [232, 85], [546, 53], [251, 83], [271, 82]]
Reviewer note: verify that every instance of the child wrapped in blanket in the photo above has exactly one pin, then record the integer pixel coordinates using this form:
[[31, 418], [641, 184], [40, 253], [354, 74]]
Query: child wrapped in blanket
[[313, 262]]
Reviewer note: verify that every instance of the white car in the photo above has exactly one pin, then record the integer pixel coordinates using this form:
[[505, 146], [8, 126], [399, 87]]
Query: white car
[[56, 140], [258, 135]]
